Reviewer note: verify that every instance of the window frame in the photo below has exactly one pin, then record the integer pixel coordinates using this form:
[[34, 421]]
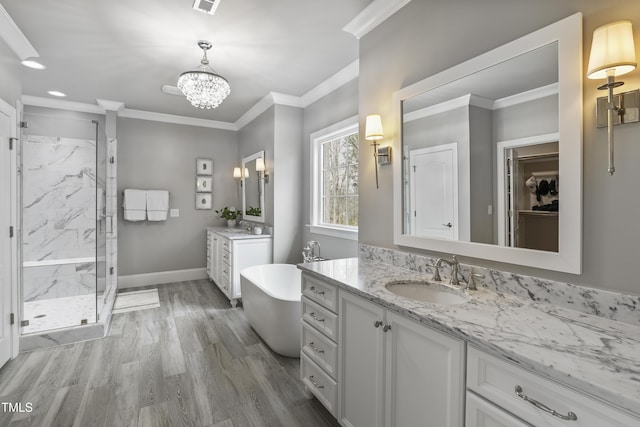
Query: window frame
[[317, 139]]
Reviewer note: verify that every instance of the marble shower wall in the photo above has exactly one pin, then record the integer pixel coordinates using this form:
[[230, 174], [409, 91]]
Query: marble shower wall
[[59, 216]]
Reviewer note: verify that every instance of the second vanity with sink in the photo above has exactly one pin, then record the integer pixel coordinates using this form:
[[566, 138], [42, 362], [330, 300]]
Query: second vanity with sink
[[229, 250], [387, 346]]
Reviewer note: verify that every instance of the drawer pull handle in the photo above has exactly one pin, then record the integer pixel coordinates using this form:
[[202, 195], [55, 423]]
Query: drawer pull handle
[[316, 318], [377, 323], [315, 383], [315, 291], [569, 417], [315, 348], [386, 327]]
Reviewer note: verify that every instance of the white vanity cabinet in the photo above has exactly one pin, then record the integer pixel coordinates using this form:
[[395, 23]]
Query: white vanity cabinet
[[227, 257], [394, 371], [319, 354], [212, 255], [532, 398]]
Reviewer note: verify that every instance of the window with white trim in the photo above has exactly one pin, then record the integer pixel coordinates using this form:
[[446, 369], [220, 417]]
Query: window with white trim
[[334, 180]]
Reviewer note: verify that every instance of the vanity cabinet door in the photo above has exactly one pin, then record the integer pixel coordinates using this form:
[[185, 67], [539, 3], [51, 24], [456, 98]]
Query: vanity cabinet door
[[361, 363], [395, 372], [212, 255], [424, 375]]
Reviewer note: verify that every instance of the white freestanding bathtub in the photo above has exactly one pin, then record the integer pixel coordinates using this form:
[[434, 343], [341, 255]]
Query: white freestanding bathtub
[[271, 302]]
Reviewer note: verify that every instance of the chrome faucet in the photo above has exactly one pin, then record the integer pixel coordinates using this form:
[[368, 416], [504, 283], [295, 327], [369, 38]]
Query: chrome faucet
[[309, 251], [453, 262]]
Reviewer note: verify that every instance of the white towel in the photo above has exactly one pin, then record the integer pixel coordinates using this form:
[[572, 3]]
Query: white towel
[[157, 205], [135, 205]]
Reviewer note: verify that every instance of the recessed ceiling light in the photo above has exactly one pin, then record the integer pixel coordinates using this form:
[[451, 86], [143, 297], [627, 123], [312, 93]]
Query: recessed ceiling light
[[33, 64], [57, 93]]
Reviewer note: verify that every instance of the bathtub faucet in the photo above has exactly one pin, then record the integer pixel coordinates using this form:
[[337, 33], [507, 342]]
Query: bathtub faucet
[[309, 251]]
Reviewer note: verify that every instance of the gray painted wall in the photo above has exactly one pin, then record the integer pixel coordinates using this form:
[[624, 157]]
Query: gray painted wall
[[333, 108], [286, 176], [256, 136], [408, 47], [10, 69], [481, 174], [153, 155], [278, 131]]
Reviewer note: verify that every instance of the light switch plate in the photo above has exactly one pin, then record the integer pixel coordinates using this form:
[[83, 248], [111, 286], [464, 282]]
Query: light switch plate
[[174, 213]]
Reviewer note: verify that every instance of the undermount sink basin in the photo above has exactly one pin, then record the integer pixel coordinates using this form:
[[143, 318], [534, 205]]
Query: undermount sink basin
[[426, 292]]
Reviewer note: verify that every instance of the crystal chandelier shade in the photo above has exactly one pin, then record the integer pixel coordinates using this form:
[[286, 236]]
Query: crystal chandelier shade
[[203, 87]]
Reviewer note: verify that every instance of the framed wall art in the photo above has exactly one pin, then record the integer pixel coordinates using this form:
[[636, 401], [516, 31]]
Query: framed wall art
[[203, 200], [203, 184], [204, 167]]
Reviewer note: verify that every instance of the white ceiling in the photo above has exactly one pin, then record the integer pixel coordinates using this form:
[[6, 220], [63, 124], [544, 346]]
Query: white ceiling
[[125, 50]]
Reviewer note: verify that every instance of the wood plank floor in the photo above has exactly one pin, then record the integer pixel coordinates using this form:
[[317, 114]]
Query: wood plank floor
[[195, 361]]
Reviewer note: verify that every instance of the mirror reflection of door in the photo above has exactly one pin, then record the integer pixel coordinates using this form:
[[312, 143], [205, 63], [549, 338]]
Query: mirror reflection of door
[[434, 191], [531, 195]]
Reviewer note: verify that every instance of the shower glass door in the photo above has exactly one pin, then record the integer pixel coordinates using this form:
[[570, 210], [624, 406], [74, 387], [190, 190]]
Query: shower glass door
[[63, 158]]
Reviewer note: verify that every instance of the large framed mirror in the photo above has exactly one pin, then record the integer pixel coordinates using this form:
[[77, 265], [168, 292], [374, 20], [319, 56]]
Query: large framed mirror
[[485, 146], [252, 188]]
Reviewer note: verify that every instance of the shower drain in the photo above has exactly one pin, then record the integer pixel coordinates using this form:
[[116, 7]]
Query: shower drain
[[39, 316]]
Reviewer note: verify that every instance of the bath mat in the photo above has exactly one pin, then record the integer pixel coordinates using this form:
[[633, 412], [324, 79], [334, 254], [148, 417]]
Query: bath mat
[[136, 300]]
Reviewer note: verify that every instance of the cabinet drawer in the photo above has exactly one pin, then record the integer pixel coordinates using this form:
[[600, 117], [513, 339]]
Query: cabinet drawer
[[481, 413], [320, 292], [320, 349], [319, 383], [497, 381], [322, 319]]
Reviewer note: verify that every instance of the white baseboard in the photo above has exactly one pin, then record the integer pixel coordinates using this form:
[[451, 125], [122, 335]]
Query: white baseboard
[[159, 278]]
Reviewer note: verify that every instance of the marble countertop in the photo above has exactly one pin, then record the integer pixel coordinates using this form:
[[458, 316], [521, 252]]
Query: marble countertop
[[595, 355], [236, 233]]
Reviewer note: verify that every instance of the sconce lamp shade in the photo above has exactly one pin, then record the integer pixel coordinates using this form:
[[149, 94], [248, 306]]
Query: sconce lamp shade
[[237, 173], [260, 164], [246, 172], [612, 51], [373, 128]]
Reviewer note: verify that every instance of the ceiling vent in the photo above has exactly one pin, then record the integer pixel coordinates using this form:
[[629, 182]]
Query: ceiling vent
[[206, 6]]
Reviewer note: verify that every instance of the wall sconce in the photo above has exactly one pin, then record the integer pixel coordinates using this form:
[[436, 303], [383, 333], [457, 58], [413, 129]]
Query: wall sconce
[[613, 54], [373, 132], [262, 170], [237, 174]]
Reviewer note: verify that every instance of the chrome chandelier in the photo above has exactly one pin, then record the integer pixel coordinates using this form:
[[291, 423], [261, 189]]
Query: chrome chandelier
[[203, 87]]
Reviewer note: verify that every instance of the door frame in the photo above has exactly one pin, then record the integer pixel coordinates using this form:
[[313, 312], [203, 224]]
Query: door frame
[[12, 262], [501, 174]]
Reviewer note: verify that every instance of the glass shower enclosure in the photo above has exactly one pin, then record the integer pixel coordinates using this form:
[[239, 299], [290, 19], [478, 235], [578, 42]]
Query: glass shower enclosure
[[63, 228]]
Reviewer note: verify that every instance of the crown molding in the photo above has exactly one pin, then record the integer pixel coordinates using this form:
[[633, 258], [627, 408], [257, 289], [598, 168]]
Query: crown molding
[[170, 118], [110, 105], [38, 101], [253, 112], [530, 95], [128, 113], [373, 15], [334, 82], [486, 103], [339, 79], [443, 107], [14, 38]]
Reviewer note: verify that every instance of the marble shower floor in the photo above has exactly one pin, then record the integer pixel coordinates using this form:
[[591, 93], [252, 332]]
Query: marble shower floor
[[56, 313]]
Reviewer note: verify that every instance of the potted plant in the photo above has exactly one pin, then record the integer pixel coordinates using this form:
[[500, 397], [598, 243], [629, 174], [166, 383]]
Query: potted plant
[[230, 214]]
